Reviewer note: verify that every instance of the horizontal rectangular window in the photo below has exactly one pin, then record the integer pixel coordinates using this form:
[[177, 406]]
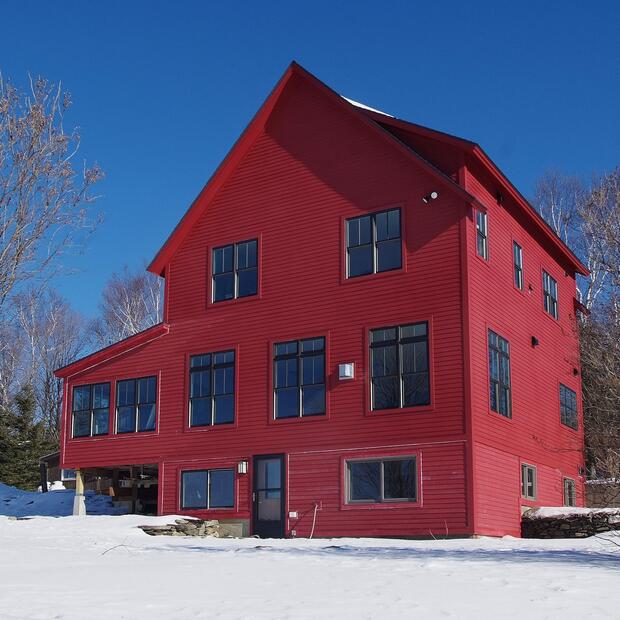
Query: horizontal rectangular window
[[399, 363], [208, 488], [570, 498], [374, 243], [212, 388], [299, 378], [382, 480], [568, 407], [550, 295], [235, 270], [499, 375], [91, 409], [136, 405], [528, 481]]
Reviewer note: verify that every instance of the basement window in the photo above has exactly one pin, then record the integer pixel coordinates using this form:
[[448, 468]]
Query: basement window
[[208, 488], [136, 405], [569, 492], [91, 409], [235, 270], [550, 295], [399, 362], [212, 388], [528, 481], [299, 378], [568, 407], [374, 243], [382, 480]]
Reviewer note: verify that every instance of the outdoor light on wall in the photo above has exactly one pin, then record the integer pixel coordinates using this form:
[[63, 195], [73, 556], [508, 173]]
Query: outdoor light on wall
[[242, 467], [346, 371], [535, 342], [429, 197]]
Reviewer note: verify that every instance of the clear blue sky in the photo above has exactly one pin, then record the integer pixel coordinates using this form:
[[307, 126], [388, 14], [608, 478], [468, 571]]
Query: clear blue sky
[[163, 89]]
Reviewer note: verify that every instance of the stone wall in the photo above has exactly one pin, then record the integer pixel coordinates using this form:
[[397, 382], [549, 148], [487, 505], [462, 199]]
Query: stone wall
[[579, 524]]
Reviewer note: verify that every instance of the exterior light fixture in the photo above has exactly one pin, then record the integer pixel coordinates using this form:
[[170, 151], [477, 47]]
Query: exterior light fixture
[[535, 342], [346, 371], [242, 467], [429, 197]]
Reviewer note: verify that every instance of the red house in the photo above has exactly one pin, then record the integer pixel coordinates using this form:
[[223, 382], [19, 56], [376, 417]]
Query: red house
[[368, 331]]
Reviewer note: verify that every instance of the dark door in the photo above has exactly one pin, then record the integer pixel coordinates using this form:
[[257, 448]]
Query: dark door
[[268, 496]]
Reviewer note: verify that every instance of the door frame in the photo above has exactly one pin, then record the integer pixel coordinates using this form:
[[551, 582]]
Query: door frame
[[283, 493]]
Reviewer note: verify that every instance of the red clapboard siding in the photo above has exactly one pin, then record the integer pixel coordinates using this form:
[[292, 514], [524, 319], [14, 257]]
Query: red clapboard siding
[[307, 163]]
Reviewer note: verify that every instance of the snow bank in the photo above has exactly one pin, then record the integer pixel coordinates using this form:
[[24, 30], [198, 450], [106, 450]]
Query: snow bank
[[105, 568], [567, 511], [56, 503]]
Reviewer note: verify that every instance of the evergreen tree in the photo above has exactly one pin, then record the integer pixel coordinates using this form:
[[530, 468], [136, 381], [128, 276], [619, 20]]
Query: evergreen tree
[[22, 441]]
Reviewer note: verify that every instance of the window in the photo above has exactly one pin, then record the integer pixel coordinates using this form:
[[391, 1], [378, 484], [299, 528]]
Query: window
[[499, 375], [91, 409], [550, 295], [299, 378], [136, 405], [208, 488], [399, 366], [235, 270], [67, 474], [212, 388], [382, 480], [569, 492], [482, 242], [517, 255], [528, 481], [374, 243], [568, 407]]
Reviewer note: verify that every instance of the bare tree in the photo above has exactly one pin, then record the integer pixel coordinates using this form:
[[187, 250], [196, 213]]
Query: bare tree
[[11, 344], [53, 335], [44, 199], [131, 302]]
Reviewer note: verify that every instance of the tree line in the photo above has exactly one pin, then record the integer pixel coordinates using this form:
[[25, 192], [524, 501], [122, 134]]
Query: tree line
[[47, 210]]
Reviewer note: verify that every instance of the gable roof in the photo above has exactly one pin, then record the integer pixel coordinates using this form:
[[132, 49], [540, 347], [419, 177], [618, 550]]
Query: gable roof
[[247, 138], [376, 121], [114, 350]]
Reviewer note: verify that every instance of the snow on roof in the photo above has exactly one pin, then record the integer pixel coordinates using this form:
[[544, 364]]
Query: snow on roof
[[357, 104], [566, 511]]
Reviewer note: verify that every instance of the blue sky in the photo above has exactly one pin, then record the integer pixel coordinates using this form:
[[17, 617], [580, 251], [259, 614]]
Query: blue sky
[[163, 89]]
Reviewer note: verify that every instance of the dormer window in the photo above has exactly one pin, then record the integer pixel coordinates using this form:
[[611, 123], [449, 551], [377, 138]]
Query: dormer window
[[235, 270]]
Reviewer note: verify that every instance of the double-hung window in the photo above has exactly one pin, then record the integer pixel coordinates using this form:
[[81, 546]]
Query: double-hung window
[[517, 258], [91, 409], [235, 270], [568, 407], [528, 481], [399, 362], [299, 378], [499, 375], [212, 388], [550, 295], [570, 498], [382, 480], [208, 488], [482, 241], [374, 243], [136, 401]]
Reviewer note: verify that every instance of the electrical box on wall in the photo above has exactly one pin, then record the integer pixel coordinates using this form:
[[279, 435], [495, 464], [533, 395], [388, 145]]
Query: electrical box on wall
[[346, 371]]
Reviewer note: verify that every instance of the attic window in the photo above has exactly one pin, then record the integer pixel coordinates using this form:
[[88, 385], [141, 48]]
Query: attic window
[[235, 270]]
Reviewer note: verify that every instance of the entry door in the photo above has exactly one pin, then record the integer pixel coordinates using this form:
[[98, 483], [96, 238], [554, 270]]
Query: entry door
[[268, 496]]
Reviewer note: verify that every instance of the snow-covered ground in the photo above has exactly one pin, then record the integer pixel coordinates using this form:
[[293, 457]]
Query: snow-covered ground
[[98, 567]]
